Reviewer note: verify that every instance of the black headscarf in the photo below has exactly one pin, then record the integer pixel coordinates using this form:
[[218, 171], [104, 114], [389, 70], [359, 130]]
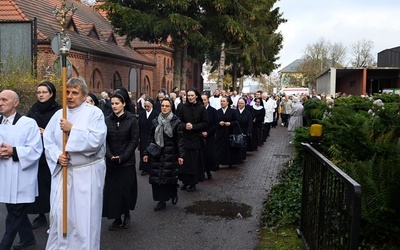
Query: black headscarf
[[41, 112], [198, 96], [94, 98], [150, 101], [124, 93], [44, 106]]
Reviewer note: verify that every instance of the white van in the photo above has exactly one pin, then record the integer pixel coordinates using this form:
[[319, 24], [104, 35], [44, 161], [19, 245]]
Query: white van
[[294, 91]]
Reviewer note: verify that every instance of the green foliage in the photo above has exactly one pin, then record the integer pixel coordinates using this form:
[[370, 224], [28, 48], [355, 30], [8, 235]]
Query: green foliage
[[364, 142], [24, 84], [284, 201]]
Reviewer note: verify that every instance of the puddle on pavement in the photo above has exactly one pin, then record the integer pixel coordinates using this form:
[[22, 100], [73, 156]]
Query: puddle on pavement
[[224, 209]]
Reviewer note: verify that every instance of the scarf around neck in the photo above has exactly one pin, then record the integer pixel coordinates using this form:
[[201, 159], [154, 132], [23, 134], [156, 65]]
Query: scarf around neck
[[164, 126]]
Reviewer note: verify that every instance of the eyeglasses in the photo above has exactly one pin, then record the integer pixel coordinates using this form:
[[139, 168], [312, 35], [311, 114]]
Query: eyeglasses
[[42, 92], [165, 106]]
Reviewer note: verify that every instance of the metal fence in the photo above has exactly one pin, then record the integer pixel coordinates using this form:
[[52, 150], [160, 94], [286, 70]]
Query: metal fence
[[331, 204]]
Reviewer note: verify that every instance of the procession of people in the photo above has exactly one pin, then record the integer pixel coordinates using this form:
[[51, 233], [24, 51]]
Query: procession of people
[[181, 140]]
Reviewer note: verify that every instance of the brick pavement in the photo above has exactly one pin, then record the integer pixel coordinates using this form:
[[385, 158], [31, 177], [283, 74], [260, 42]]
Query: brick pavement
[[175, 228]]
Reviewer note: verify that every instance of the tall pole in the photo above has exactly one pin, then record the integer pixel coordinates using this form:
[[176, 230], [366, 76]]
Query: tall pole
[[64, 51]]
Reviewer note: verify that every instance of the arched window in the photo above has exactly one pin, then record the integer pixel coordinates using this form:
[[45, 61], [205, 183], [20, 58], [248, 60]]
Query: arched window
[[117, 83], [96, 81]]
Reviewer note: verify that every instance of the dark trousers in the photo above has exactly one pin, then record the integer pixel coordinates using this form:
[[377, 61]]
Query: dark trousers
[[267, 128], [17, 221]]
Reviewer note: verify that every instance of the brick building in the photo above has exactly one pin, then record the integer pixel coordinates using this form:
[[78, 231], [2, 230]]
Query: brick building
[[104, 59]]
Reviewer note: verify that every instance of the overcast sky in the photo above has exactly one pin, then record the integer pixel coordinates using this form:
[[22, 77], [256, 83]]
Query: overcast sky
[[344, 21]]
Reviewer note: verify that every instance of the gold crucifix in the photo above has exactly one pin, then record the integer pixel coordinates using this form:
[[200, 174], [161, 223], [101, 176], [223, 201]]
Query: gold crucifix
[[63, 11]]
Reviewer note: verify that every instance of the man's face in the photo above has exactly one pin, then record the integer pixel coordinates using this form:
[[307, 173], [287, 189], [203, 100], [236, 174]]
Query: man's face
[[75, 97], [8, 103]]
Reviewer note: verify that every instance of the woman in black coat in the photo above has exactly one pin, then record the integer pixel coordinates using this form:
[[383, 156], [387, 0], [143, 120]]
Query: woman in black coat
[[245, 124], [41, 112], [164, 169], [146, 118], [193, 116], [210, 163], [226, 155], [120, 188]]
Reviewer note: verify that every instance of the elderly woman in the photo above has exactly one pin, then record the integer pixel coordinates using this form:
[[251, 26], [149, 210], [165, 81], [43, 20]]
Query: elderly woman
[[120, 189], [226, 117], [245, 124], [164, 167], [296, 116], [146, 118], [41, 112]]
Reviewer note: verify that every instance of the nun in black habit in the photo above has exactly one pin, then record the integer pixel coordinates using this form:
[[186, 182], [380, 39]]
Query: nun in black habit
[[227, 117], [146, 118], [194, 120]]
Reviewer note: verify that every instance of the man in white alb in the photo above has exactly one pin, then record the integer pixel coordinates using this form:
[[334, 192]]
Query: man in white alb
[[85, 150], [20, 151]]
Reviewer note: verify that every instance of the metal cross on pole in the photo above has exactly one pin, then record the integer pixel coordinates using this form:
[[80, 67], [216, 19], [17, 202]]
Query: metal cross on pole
[[64, 45]]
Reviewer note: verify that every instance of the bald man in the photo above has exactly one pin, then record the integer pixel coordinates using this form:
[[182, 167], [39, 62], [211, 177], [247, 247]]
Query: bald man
[[20, 150]]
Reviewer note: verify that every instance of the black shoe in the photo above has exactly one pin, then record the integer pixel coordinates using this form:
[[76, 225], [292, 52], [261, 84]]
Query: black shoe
[[22, 245], [143, 173], [191, 188], [209, 175], [174, 200], [160, 206], [184, 187], [116, 224], [127, 221], [39, 221]]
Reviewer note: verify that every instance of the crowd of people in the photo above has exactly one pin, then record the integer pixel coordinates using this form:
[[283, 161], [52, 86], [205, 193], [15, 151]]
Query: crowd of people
[[181, 136]]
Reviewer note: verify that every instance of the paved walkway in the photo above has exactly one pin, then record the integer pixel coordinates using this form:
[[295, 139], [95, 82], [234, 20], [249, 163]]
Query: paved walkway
[[232, 191]]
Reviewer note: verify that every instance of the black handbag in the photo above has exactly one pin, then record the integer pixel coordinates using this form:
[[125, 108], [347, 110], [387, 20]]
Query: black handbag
[[154, 150], [239, 140]]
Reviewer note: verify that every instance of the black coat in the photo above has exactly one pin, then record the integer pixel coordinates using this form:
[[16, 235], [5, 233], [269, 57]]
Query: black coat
[[120, 187], [122, 139], [209, 150], [144, 134], [225, 154], [245, 121], [197, 115], [165, 169]]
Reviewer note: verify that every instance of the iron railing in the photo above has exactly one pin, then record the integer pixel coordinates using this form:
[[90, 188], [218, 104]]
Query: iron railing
[[331, 204]]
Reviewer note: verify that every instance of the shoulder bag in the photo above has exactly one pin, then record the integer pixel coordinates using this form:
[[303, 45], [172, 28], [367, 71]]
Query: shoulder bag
[[239, 140], [154, 150]]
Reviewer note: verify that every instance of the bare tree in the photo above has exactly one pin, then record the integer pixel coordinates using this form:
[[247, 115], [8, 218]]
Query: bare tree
[[361, 53], [337, 55]]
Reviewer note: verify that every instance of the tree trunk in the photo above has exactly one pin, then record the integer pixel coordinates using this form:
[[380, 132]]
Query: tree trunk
[[234, 76], [183, 71], [240, 84], [221, 68], [177, 66]]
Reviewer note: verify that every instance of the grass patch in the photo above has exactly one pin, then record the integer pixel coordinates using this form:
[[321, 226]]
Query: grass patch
[[283, 237]]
